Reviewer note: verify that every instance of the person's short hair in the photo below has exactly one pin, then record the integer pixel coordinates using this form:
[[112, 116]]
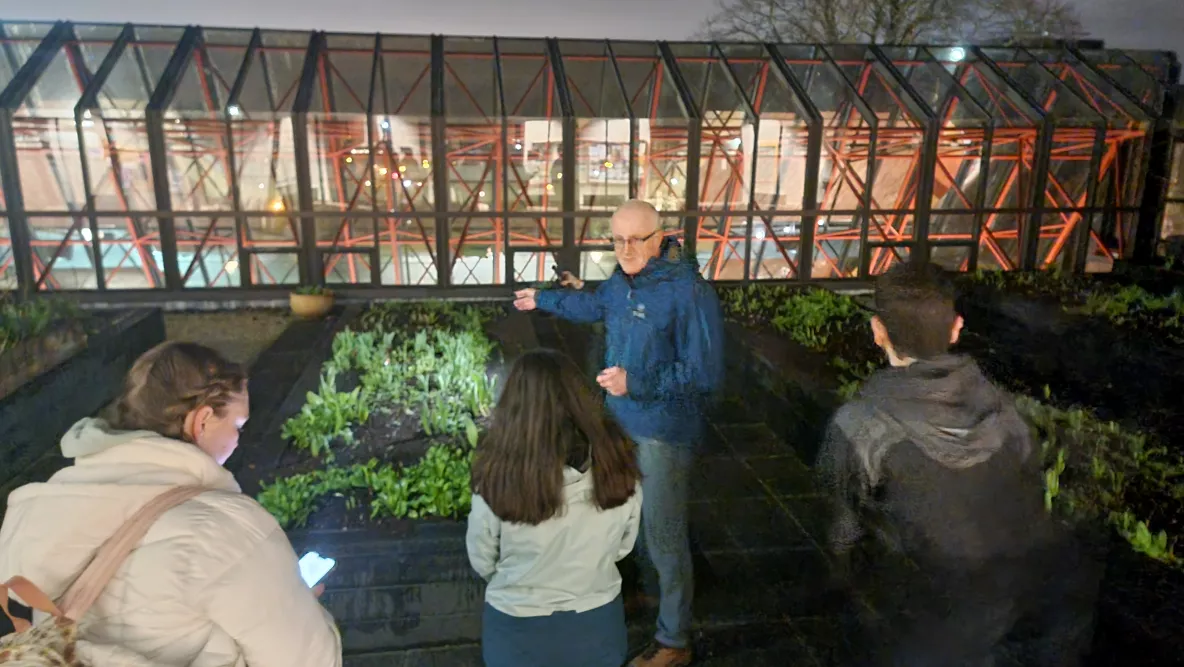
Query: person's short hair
[[915, 301], [171, 380], [549, 417]]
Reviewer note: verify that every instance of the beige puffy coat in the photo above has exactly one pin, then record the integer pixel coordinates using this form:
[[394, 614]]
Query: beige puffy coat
[[215, 582]]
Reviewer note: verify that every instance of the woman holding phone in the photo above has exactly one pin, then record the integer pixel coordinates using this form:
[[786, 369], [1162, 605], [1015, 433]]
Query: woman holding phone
[[557, 502], [214, 583]]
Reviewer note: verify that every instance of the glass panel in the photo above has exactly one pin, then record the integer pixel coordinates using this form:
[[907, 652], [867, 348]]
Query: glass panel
[[533, 173], [885, 257], [1100, 94], [775, 244], [603, 160], [597, 264], [63, 253], [1056, 99], [129, 86], [477, 251], [473, 135], [8, 279], [207, 254], [899, 140], [724, 176], [347, 268], [1125, 72], [403, 110], [721, 240], [131, 252], [275, 268], [1173, 221], [407, 247], [777, 141], [988, 89], [44, 129], [342, 160], [594, 231], [194, 124], [844, 169], [661, 151], [273, 75], [340, 232], [951, 258], [531, 267], [18, 42]]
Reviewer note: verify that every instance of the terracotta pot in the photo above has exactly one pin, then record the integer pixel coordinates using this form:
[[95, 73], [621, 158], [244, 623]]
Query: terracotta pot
[[311, 305]]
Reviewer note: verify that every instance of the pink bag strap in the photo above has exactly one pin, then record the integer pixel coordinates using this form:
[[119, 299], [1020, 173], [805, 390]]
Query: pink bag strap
[[85, 590]]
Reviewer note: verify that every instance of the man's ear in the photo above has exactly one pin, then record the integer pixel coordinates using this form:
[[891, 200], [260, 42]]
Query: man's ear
[[956, 330], [879, 332]]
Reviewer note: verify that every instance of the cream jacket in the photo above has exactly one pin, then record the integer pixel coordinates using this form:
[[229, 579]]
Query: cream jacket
[[566, 563], [215, 582]]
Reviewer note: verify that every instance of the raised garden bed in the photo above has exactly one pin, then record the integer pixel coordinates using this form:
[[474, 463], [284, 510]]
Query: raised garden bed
[[1115, 347], [1098, 471], [35, 336], [386, 435]]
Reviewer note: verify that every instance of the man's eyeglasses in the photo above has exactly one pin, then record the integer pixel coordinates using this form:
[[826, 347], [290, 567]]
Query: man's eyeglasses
[[619, 242]]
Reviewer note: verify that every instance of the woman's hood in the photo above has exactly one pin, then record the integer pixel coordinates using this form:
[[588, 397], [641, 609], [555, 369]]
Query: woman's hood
[[51, 528], [93, 435]]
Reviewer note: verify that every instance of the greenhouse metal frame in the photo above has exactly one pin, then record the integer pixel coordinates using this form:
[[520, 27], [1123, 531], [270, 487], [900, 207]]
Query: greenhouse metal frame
[[191, 159]]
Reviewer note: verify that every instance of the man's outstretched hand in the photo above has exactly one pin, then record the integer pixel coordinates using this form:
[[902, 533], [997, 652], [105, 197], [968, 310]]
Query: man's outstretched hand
[[524, 299], [613, 380], [567, 279]]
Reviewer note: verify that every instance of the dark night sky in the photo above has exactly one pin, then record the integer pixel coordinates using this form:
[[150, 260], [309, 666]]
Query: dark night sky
[[1148, 24]]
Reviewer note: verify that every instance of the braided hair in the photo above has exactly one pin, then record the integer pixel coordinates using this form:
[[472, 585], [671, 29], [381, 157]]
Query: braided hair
[[171, 380]]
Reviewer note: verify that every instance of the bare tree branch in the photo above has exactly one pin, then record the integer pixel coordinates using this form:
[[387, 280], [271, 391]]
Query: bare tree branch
[[893, 21]]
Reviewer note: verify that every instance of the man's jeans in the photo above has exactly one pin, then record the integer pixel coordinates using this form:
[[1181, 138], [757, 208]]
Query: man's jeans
[[664, 547]]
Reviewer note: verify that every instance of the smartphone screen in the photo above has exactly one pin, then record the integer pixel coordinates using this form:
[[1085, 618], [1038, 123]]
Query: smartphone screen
[[314, 567]]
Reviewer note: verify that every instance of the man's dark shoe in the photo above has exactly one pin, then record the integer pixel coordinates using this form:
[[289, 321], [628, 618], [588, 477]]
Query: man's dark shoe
[[657, 655]]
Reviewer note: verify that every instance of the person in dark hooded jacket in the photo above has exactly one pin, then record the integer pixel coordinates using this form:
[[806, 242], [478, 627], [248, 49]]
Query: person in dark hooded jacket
[[937, 493], [663, 364]]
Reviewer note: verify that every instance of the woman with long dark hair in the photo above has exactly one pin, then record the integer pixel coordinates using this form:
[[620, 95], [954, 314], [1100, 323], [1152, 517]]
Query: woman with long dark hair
[[556, 503]]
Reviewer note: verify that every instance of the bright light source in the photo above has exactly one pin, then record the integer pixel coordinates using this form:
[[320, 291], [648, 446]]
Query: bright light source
[[518, 146], [595, 172], [348, 160], [231, 265], [367, 183], [262, 186], [86, 234], [427, 164], [481, 194], [86, 114], [608, 165], [550, 187], [406, 182], [402, 168], [734, 142], [674, 181], [382, 171], [419, 183], [277, 205], [177, 121], [234, 110], [957, 54], [595, 256], [559, 176], [386, 125]]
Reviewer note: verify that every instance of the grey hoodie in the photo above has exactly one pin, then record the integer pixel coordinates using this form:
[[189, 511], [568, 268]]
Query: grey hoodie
[[936, 461]]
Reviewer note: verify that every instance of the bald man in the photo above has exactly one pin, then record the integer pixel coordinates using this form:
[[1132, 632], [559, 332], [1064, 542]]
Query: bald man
[[663, 363]]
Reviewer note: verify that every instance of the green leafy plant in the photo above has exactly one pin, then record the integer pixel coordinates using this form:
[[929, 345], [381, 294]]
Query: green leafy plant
[[328, 415], [313, 290], [425, 358], [24, 320]]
